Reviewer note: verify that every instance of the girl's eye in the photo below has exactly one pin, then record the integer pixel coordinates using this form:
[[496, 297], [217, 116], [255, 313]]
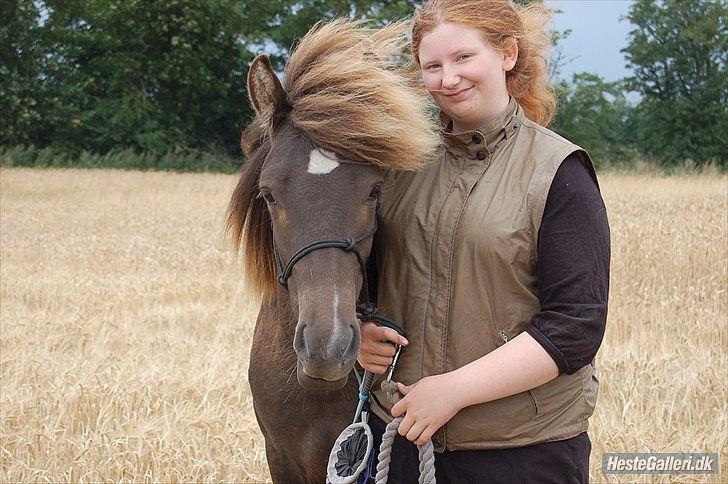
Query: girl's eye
[[374, 194], [464, 56], [432, 67]]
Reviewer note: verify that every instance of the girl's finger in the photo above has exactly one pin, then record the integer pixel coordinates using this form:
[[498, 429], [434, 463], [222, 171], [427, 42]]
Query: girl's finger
[[425, 436], [404, 389], [376, 369], [377, 360], [405, 425], [376, 348], [388, 334], [415, 431]]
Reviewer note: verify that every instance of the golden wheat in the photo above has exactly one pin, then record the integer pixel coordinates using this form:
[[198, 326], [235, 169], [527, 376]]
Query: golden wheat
[[125, 328]]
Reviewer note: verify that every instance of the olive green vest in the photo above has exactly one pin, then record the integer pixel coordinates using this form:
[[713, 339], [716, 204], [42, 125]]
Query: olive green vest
[[456, 250]]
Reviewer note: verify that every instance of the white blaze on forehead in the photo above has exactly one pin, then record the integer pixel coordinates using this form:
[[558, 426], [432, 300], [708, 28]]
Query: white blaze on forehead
[[321, 162]]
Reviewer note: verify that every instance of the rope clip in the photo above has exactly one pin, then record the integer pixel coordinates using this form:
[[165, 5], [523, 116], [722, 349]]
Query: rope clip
[[394, 363]]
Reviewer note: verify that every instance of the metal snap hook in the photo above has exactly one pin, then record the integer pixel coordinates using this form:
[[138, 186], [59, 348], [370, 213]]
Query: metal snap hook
[[394, 363]]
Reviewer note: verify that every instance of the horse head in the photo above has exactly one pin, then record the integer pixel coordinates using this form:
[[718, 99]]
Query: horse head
[[306, 204]]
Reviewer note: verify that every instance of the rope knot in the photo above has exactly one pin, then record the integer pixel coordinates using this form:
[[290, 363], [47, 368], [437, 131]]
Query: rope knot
[[350, 244], [391, 391]]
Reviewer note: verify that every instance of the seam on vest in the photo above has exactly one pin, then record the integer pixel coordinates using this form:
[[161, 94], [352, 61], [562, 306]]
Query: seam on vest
[[431, 271], [537, 199]]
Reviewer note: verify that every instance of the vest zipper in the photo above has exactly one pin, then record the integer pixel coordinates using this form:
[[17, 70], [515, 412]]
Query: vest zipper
[[534, 403], [486, 165]]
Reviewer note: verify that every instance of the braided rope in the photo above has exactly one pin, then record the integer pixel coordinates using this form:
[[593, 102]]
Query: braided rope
[[426, 452]]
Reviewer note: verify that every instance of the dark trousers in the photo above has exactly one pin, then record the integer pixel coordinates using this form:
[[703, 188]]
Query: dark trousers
[[564, 461]]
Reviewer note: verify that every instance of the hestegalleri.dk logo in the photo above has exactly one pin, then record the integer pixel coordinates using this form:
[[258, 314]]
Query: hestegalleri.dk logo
[[660, 463]]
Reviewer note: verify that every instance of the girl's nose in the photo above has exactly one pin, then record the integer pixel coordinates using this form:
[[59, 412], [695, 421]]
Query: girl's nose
[[450, 78]]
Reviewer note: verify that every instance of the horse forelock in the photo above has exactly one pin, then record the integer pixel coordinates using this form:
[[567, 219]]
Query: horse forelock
[[353, 91]]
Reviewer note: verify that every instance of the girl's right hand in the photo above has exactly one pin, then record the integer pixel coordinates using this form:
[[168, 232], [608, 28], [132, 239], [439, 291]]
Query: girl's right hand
[[377, 347]]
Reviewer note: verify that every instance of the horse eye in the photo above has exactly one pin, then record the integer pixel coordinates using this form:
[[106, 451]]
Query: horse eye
[[268, 197], [374, 194]]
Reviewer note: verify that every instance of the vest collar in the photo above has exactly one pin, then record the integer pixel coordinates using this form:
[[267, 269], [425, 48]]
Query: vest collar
[[482, 141]]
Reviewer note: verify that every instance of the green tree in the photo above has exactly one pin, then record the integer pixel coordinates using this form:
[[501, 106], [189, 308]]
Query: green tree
[[596, 115], [274, 26], [678, 52], [21, 55], [147, 75]]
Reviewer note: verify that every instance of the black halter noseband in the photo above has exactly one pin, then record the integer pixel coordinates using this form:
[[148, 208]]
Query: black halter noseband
[[365, 310], [348, 245]]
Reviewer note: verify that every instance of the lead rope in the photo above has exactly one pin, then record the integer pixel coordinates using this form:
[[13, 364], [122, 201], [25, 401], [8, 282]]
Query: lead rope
[[426, 452]]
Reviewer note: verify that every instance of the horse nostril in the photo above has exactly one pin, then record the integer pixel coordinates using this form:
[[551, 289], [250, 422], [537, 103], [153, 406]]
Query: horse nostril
[[299, 341], [353, 349]]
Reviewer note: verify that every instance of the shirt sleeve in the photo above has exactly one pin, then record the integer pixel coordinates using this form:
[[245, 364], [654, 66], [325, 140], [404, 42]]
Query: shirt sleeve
[[572, 268]]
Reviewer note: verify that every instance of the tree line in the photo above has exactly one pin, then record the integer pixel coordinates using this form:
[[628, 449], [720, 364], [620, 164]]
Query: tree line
[[165, 79]]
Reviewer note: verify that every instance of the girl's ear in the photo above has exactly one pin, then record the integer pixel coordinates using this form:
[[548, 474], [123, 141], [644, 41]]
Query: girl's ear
[[265, 90], [510, 55]]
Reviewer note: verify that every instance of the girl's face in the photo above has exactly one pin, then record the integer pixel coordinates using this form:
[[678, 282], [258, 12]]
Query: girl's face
[[465, 75]]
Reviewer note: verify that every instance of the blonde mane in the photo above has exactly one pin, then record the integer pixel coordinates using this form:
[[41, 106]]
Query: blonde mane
[[351, 90]]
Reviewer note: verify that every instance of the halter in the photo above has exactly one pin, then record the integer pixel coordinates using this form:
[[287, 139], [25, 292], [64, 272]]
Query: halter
[[345, 244], [365, 311]]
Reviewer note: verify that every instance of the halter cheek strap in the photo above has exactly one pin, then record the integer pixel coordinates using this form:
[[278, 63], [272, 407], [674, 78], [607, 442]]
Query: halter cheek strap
[[347, 245]]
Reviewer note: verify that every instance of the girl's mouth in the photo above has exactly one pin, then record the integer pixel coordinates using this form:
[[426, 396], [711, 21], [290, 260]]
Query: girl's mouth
[[458, 95]]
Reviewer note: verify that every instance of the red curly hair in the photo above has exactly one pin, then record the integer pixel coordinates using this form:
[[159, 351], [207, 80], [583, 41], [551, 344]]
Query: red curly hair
[[501, 23]]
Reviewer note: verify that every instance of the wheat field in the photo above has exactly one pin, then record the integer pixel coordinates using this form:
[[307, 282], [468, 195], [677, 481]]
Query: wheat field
[[125, 328]]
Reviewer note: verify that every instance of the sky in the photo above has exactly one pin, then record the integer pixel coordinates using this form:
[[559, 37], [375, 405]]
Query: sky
[[596, 36]]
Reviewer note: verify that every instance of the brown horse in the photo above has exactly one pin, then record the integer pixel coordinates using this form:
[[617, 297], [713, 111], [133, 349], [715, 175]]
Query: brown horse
[[317, 152]]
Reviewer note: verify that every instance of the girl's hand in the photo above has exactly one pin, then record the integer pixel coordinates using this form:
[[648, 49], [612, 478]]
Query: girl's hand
[[377, 347], [427, 405]]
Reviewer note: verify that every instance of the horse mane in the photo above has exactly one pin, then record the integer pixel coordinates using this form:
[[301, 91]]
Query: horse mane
[[248, 219], [353, 92]]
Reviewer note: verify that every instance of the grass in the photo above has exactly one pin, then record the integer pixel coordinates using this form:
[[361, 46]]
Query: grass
[[125, 328]]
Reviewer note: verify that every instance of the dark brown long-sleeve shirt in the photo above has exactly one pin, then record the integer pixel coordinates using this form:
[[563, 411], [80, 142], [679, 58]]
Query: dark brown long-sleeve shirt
[[572, 269]]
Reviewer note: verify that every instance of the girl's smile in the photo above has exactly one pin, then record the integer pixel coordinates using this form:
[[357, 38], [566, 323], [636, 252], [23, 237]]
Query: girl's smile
[[459, 95]]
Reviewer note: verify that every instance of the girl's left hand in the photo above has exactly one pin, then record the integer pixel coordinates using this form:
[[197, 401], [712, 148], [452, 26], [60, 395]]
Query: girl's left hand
[[428, 405]]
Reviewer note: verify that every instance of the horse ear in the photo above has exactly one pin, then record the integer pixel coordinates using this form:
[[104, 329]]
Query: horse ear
[[265, 90]]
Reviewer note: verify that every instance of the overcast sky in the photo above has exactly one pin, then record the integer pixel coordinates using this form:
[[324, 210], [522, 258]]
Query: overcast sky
[[596, 37]]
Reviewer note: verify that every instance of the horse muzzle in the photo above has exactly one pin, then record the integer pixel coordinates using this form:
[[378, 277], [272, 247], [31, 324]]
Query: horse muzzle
[[318, 383]]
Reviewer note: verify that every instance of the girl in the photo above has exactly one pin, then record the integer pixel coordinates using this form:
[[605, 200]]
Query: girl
[[496, 260]]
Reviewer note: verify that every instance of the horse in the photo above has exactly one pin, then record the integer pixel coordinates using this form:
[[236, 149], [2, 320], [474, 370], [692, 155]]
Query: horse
[[317, 152]]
